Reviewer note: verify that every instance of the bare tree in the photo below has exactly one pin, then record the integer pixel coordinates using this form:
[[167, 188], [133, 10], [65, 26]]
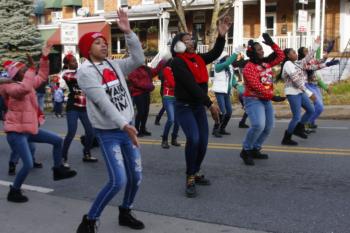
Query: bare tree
[[219, 10]]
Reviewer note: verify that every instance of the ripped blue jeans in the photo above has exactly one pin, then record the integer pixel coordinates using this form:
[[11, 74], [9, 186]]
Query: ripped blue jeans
[[123, 162]]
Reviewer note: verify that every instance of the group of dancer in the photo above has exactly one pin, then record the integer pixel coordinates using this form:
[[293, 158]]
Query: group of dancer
[[100, 98]]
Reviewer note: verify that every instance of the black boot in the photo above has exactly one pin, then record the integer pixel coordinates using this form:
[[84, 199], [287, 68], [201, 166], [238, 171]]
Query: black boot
[[12, 169], [61, 172], [242, 123], [87, 226], [258, 155], [247, 157], [191, 186], [15, 195], [223, 125], [287, 139], [126, 219], [174, 141], [157, 121], [300, 131], [165, 144], [216, 131], [144, 132]]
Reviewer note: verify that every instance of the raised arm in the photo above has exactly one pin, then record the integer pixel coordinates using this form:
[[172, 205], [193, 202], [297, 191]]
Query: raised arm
[[221, 66], [136, 58]]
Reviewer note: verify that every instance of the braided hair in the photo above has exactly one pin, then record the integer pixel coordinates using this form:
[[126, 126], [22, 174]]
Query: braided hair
[[301, 54], [286, 52]]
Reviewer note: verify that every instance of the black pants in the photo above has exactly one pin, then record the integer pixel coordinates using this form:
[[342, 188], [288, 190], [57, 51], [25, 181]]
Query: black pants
[[142, 103]]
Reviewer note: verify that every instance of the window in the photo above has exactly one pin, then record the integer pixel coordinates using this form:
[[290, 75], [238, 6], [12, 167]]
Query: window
[[99, 6], [270, 24], [199, 33]]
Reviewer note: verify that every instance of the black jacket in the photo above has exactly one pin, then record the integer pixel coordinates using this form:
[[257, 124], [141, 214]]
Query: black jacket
[[186, 89]]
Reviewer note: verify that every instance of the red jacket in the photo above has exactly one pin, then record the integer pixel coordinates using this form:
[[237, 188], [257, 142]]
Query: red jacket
[[140, 80], [168, 82], [23, 114], [258, 77]]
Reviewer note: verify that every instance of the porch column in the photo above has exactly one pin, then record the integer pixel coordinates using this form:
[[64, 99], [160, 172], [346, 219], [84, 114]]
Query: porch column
[[163, 31], [323, 24], [317, 17], [241, 25], [236, 24], [262, 16]]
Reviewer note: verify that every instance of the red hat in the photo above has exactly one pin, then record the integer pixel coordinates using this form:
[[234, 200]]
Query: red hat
[[86, 41], [12, 68]]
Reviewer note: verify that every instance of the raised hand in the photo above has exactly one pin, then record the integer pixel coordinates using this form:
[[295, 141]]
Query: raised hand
[[267, 39], [30, 60], [224, 25], [46, 50], [123, 21]]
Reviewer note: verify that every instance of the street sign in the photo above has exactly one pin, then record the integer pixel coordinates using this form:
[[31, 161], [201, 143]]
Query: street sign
[[302, 21], [69, 33], [303, 1]]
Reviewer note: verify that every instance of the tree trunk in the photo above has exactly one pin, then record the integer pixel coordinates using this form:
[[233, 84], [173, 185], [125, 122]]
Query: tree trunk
[[213, 24]]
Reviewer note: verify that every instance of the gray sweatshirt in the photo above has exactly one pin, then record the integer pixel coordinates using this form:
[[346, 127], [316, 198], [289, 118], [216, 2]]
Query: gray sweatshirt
[[109, 104]]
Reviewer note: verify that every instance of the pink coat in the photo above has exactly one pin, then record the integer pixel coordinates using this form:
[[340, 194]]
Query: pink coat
[[23, 114]]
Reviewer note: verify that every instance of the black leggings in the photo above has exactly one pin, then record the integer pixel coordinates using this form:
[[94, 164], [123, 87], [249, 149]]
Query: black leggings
[[142, 103]]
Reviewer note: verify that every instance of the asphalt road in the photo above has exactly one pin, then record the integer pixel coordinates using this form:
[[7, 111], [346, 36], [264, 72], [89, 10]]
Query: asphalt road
[[299, 189]]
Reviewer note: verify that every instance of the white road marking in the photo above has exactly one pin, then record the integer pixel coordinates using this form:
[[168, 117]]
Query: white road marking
[[29, 187]]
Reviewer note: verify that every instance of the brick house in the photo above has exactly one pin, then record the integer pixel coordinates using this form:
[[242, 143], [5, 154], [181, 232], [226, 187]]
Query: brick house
[[154, 21]]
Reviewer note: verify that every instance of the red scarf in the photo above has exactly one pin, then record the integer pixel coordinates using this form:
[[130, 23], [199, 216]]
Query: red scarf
[[198, 67]]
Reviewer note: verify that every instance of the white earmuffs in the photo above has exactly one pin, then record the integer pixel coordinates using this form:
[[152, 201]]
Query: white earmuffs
[[180, 47]]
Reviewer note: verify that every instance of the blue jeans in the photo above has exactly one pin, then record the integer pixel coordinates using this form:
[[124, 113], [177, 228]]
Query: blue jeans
[[295, 103], [72, 122], [14, 157], [41, 100], [224, 103], [318, 104], [58, 107], [123, 162], [193, 121], [19, 143], [169, 105], [261, 117]]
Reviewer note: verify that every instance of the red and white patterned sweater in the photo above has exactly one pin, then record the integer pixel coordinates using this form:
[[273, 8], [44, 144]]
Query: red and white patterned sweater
[[258, 77]]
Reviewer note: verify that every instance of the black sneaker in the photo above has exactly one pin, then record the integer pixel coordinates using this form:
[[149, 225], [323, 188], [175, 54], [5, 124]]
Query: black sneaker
[[247, 157], [191, 186], [37, 165], [174, 142], [15, 195], [243, 125], [12, 169], [258, 155], [165, 144], [128, 220], [157, 122], [313, 126], [201, 180], [146, 133], [88, 158], [60, 173], [224, 132], [87, 226]]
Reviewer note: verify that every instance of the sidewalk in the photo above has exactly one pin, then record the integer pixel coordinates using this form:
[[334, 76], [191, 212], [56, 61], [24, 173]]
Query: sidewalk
[[335, 112], [45, 213]]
